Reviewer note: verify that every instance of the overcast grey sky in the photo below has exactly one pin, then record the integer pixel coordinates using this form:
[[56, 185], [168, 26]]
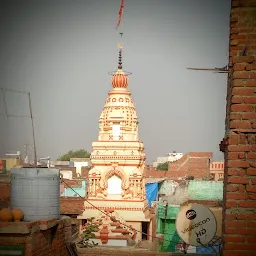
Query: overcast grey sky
[[62, 51]]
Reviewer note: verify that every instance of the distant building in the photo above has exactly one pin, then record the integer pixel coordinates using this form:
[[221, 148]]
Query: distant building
[[79, 163], [217, 170], [171, 157], [59, 164]]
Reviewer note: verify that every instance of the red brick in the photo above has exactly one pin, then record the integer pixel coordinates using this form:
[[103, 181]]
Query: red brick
[[237, 139], [248, 116], [235, 116], [251, 83], [236, 196], [251, 224], [247, 204], [250, 100], [232, 188], [250, 67], [235, 148], [243, 91], [230, 216], [232, 172], [236, 36], [234, 238], [251, 188], [246, 216], [241, 124], [233, 253], [239, 67], [251, 239], [5, 191], [239, 82], [236, 223], [252, 196], [247, 231], [233, 155], [238, 164], [251, 155], [242, 108], [251, 171], [243, 59], [239, 246], [252, 163], [237, 99], [241, 155], [244, 74], [230, 203], [238, 180]]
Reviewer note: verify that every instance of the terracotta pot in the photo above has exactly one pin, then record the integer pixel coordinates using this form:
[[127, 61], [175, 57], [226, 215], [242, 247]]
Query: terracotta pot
[[17, 214], [104, 234], [6, 214]]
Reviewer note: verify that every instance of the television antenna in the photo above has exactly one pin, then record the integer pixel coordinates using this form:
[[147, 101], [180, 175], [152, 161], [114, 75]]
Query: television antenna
[[30, 116], [215, 70]]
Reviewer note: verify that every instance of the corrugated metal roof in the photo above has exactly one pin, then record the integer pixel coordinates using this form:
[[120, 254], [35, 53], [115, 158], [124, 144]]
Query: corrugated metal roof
[[154, 180]]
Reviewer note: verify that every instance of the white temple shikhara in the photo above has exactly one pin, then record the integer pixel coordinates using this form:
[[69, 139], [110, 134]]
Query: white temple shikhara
[[116, 181]]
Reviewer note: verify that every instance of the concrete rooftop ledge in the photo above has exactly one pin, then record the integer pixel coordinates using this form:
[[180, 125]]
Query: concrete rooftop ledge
[[24, 227]]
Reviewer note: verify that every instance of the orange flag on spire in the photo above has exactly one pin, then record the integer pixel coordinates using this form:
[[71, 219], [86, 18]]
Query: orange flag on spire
[[120, 14]]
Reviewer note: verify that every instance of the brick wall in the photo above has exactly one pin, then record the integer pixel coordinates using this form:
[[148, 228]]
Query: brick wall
[[43, 238], [239, 215], [71, 205], [84, 172], [4, 191], [195, 164], [150, 172]]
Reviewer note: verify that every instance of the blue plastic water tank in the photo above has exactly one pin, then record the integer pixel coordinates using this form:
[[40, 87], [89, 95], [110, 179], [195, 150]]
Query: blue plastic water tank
[[36, 191]]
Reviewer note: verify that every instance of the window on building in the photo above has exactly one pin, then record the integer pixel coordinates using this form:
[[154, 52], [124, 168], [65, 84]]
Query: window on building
[[114, 185], [116, 130]]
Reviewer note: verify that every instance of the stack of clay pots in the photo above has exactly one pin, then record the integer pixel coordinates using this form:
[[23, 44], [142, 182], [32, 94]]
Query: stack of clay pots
[[8, 215]]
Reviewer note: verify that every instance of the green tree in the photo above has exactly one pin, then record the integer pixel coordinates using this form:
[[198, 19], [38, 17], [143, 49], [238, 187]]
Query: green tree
[[163, 166], [81, 153]]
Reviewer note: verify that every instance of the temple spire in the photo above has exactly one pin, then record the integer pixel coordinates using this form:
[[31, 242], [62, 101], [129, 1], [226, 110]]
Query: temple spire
[[120, 46]]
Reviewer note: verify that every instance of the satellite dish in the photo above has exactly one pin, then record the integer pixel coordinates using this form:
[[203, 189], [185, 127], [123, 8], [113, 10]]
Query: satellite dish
[[196, 224]]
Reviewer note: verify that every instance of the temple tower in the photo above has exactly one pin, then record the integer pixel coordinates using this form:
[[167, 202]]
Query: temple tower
[[116, 181]]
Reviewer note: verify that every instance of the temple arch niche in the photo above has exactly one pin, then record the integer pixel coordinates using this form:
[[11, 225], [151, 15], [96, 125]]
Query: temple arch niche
[[114, 185]]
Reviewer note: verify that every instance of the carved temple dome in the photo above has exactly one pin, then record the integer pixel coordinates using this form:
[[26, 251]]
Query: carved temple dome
[[119, 79]]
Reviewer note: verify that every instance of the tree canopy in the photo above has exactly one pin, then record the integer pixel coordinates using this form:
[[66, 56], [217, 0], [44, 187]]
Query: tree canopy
[[81, 153], [162, 167]]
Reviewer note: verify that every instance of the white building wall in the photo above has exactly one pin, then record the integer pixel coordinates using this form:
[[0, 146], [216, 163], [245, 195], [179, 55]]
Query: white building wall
[[171, 157]]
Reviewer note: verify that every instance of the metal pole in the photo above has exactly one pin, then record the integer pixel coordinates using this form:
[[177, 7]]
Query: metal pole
[[166, 211], [33, 131]]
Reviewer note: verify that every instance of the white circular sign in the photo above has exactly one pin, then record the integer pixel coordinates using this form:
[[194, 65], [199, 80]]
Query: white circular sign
[[196, 224]]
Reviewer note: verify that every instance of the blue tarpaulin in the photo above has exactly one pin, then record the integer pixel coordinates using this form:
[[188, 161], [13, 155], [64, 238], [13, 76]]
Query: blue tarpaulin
[[151, 192]]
